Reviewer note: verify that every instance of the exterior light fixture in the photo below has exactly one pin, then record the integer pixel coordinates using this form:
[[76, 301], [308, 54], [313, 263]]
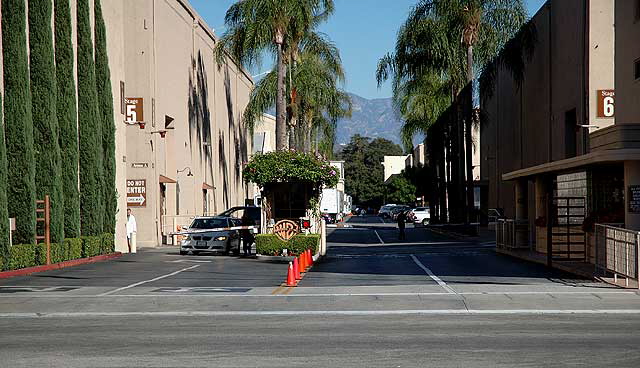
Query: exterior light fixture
[[183, 170]]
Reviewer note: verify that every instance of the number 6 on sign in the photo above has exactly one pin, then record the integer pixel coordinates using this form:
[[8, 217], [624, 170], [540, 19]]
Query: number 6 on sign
[[606, 103]]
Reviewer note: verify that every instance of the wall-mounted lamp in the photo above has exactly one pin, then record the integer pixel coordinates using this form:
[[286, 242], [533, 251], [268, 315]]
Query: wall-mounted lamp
[[588, 126], [183, 170], [163, 133]]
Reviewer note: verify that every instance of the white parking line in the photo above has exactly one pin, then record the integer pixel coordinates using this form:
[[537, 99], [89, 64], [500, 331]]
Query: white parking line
[[433, 276], [148, 281], [320, 313], [379, 238]]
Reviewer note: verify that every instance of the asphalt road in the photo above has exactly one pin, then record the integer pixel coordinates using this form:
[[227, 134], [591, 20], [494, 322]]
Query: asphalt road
[[374, 301]]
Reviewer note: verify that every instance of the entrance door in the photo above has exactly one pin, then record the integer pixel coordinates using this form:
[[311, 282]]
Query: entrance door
[[163, 211], [569, 240]]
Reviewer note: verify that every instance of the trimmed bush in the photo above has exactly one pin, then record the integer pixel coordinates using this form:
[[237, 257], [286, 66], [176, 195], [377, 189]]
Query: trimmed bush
[[19, 130], [271, 245], [91, 246], [108, 244], [90, 132], [74, 248], [45, 121], [67, 118], [21, 256], [105, 114]]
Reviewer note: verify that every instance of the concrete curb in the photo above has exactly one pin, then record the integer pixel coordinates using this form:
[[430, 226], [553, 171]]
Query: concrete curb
[[555, 265], [56, 266]]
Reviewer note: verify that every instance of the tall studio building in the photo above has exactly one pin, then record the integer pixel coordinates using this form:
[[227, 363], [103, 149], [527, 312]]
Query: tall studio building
[[180, 145], [566, 141]]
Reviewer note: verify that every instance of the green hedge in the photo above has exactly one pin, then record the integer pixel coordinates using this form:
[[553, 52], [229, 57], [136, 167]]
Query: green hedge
[[73, 247], [271, 245], [29, 255], [91, 246]]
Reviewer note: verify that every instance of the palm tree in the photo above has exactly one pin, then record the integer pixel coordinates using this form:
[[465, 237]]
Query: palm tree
[[453, 39], [316, 104], [255, 26]]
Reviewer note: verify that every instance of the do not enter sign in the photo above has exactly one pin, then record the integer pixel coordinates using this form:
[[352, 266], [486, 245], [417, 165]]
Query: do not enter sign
[[137, 193]]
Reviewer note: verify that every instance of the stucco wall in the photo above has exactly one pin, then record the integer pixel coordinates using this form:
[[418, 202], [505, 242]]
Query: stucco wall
[[627, 51]]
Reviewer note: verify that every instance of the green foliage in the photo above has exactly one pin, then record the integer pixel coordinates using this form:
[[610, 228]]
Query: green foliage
[[400, 190], [107, 244], [22, 256], [67, 117], [74, 248], [45, 122], [271, 245], [30, 255], [4, 225], [19, 130], [364, 174], [90, 131], [91, 246], [289, 166], [105, 104]]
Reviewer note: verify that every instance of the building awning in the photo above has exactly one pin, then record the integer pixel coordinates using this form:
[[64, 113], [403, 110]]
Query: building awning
[[206, 186], [166, 180], [592, 158]]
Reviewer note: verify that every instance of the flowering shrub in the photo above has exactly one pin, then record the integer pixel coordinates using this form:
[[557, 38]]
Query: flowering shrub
[[290, 166]]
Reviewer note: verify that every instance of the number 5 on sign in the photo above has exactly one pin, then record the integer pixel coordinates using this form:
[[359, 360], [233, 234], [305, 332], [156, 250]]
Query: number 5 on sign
[[606, 103], [135, 109]]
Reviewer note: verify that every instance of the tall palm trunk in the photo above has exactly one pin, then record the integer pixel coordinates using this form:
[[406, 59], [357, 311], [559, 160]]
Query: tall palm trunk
[[443, 155], [281, 123], [469, 135]]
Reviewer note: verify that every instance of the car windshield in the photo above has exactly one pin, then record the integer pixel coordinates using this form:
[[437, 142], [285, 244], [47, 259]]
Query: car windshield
[[208, 223]]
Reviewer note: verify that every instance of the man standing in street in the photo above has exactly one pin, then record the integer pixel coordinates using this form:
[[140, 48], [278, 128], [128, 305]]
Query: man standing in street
[[132, 228], [402, 220]]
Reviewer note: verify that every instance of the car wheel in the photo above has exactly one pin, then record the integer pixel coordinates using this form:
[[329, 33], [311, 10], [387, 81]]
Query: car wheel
[[425, 222], [227, 250], [184, 252]]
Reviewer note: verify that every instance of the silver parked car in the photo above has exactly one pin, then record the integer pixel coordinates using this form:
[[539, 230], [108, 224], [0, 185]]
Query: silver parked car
[[420, 215], [220, 241]]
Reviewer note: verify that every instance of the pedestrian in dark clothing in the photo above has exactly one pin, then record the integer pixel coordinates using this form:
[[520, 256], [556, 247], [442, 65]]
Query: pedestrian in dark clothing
[[247, 235], [402, 219]]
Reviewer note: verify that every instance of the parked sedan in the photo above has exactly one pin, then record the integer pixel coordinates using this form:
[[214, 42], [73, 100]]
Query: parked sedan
[[420, 215], [215, 241]]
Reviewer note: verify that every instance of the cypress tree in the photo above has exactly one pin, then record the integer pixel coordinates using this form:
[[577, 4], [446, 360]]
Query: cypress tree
[[19, 131], [4, 214], [105, 104], [45, 121], [67, 117], [90, 136]]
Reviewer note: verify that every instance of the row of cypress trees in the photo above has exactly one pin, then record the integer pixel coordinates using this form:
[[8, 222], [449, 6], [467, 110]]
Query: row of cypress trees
[[44, 133]]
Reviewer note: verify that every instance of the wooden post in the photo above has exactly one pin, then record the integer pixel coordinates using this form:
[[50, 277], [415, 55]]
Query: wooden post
[[47, 229], [46, 237]]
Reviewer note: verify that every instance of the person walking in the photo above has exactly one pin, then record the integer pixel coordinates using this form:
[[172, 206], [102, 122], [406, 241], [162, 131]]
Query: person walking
[[247, 235], [402, 220], [132, 228]]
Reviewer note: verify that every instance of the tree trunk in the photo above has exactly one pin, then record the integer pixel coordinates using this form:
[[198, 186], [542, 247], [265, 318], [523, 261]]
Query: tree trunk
[[281, 123], [469, 136]]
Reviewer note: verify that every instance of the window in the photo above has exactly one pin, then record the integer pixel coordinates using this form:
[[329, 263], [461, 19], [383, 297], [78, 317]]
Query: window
[[636, 69], [570, 144]]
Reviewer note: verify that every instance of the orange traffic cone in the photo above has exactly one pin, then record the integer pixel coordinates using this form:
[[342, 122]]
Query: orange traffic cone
[[310, 258], [306, 259], [296, 269], [303, 262], [291, 278]]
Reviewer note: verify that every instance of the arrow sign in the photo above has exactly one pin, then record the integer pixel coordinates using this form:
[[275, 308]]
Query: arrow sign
[[139, 200]]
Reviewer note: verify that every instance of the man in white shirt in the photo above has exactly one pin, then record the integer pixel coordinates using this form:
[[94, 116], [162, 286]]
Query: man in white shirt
[[132, 227]]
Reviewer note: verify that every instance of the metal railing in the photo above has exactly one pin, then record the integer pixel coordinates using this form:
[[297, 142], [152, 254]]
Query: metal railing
[[512, 234], [617, 251]]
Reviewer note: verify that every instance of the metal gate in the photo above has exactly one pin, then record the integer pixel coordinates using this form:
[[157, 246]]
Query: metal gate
[[569, 240]]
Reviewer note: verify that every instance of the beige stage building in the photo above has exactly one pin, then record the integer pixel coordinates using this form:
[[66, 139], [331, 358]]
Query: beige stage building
[[561, 152], [189, 156], [180, 144]]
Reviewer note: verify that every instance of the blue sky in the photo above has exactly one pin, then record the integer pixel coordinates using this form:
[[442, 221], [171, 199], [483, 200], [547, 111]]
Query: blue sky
[[364, 30]]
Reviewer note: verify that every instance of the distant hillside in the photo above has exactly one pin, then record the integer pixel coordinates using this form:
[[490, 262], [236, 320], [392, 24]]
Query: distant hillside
[[371, 118]]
